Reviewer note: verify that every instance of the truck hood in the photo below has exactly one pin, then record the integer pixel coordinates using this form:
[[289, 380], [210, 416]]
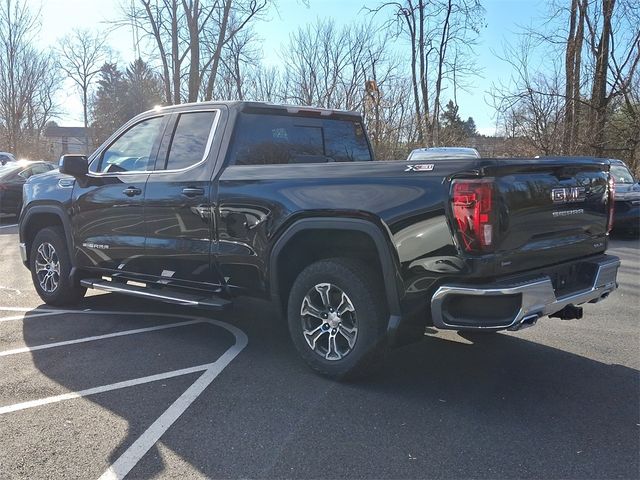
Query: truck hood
[[48, 186], [627, 191]]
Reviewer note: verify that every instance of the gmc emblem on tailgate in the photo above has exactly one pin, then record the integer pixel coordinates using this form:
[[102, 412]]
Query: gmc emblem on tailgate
[[566, 195]]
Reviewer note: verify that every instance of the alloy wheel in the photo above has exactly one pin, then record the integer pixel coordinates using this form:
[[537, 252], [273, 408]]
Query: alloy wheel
[[329, 321], [47, 266]]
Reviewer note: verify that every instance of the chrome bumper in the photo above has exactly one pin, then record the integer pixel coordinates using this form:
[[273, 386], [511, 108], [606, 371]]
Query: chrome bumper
[[538, 297], [23, 253]]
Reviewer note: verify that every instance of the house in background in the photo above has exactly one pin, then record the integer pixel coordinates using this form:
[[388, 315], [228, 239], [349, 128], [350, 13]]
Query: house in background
[[62, 140]]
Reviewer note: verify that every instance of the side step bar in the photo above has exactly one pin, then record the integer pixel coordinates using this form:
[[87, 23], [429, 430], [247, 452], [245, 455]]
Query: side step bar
[[164, 295]]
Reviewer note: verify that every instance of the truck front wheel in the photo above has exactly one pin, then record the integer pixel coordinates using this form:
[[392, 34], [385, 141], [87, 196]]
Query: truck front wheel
[[51, 268], [337, 317]]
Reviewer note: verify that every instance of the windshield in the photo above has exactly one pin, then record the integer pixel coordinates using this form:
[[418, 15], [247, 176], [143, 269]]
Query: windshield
[[621, 174]]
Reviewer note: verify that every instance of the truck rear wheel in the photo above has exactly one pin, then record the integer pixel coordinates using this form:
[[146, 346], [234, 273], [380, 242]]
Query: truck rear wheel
[[337, 317], [50, 266]]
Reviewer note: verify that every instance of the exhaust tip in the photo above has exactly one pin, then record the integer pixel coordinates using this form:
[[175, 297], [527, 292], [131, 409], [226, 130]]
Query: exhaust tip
[[526, 322]]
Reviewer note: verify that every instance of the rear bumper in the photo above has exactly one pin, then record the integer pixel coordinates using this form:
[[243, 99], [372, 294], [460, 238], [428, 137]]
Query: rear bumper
[[498, 307]]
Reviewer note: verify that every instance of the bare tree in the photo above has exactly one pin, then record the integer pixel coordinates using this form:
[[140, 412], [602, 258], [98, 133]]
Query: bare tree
[[28, 80], [573, 65], [441, 34], [189, 38], [81, 56], [594, 100], [530, 104]]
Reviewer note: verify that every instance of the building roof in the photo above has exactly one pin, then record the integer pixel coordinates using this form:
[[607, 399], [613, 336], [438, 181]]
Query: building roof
[[55, 131]]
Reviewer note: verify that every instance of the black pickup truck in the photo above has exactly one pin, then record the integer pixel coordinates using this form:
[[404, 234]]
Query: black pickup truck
[[202, 204]]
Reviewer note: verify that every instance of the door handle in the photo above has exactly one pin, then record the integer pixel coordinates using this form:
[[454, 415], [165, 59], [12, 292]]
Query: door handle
[[192, 192], [132, 191]]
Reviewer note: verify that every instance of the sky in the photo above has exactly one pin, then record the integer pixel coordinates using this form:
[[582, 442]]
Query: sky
[[503, 17]]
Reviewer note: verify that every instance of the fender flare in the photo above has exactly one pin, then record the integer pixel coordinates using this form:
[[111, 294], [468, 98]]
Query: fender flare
[[381, 241], [56, 210]]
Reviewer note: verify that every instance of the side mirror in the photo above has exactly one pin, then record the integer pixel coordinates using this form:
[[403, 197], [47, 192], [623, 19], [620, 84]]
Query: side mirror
[[74, 165]]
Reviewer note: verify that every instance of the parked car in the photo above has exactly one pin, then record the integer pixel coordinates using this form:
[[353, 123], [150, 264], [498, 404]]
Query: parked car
[[6, 157], [203, 204], [626, 217], [442, 153], [12, 177]]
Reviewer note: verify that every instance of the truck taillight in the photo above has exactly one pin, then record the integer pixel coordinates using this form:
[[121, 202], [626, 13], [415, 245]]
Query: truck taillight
[[612, 202], [472, 204]]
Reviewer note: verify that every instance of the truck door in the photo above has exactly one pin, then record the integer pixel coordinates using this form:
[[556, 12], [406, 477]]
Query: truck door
[[178, 207], [107, 212]]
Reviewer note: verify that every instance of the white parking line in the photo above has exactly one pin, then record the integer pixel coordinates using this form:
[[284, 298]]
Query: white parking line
[[7, 226], [104, 388], [35, 315], [33, 309], [151, 435], [123, 465], [96, 337]]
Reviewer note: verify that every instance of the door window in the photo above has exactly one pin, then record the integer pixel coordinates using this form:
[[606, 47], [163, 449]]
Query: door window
[[132, 151], [189, 140], [26, 173]]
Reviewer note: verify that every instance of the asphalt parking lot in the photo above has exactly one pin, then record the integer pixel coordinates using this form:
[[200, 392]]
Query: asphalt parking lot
[[121, 386]]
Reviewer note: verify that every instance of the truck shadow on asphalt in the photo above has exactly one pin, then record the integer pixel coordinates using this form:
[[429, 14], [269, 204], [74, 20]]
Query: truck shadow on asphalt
[[501, 408]]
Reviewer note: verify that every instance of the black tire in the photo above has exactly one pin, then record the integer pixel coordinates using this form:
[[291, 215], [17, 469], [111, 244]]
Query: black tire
[[365, 294], [63, 291]]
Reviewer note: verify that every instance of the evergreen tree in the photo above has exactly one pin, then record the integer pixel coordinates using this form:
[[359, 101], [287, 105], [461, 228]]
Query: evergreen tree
[[455, 131], [107, 103], [144, 88], [121, 96]]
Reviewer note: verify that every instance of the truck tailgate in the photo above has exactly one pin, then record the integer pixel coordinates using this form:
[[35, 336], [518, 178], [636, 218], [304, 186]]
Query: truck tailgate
[[550, 210]]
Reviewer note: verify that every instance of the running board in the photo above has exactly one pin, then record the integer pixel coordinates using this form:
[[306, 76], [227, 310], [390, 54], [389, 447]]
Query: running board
[[164, 295]]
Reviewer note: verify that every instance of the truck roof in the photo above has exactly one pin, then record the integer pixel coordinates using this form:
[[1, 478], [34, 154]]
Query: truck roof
[[244, 106]]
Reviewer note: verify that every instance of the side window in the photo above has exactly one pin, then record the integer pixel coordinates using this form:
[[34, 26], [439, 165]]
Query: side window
[[345, 141], [132, 150], [280, 139], [26, 173], [276, 139], [40, 168], [189, 140]]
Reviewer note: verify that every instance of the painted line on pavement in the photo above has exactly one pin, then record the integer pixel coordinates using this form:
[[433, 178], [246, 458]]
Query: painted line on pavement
[[7, 226], [96, 337], [130, 458], [35, 315], [104, 388]]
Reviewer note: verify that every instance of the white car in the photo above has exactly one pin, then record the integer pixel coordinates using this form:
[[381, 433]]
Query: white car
[[444, 153], [6, 157]]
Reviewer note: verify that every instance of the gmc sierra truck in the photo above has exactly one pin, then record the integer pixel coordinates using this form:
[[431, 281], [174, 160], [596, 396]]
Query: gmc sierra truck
[[203, 204]]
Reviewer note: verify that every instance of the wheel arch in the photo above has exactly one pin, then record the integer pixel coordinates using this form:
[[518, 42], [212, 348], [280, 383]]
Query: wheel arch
[[364, 229], [37, 217]]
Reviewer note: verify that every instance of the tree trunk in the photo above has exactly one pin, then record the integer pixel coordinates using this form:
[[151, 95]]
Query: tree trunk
[[85, 88], [569, 69], [192, 15], [599, 100], [218, 51], [174, 53], [577, 71], [442, 53], [166, 76], [423, 119]]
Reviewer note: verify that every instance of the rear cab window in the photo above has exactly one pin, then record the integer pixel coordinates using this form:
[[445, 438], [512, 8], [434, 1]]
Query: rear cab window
[[270, 139], [190, 140]]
